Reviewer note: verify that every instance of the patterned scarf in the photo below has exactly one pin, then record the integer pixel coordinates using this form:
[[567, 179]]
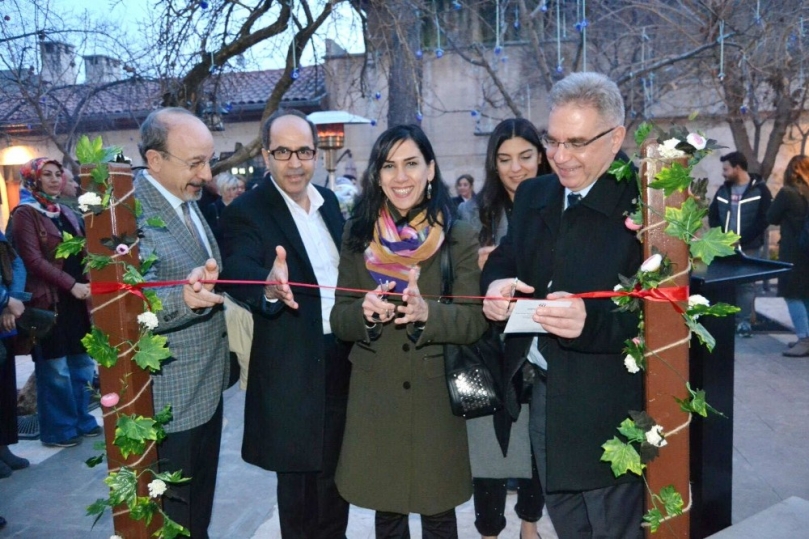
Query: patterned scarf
[[31, 194], [397, 249]]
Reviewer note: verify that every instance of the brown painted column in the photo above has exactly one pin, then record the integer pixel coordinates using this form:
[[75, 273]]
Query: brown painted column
[[116, 315], [667, 341]]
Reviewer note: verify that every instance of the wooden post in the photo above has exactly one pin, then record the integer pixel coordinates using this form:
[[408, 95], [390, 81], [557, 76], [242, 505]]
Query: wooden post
[[116, 315], [667, 340]]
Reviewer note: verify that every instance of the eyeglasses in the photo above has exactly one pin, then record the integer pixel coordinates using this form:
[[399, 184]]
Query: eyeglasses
[[195, 164], [285, 154], [573, 145]]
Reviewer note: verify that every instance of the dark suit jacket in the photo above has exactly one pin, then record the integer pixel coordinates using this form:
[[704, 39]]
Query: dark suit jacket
[[584, 249], [193, 379], [285, 402]]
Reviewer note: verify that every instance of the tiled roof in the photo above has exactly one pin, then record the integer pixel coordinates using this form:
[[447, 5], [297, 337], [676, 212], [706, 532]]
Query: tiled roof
[[133, 98]]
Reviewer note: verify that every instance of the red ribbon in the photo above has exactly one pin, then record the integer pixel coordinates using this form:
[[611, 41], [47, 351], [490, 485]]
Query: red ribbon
[[672, 294]]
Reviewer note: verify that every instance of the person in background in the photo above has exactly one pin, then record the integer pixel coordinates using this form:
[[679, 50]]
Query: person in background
[[514, 154], [789, 210], [63, 369], [229, 187], [567, 236], [404, 451], [12, 295], [740, 205], [464, 186], [177, 149]]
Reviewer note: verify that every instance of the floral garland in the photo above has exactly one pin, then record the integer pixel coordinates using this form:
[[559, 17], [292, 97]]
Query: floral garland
[[641, 436], [134, 434]]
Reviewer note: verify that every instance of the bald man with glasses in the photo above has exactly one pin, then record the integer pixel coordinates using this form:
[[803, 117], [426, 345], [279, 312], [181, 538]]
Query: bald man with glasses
[[566, 236], [289, 230]]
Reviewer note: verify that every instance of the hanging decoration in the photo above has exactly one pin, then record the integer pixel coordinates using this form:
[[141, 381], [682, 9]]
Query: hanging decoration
[[559, 26], [758, 12], [439, 52], [456, 5], [497, 48], [581, 26], [721, 50]]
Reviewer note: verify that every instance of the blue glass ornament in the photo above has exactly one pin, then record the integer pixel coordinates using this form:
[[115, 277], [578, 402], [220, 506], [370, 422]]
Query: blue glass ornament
[[743, 109], [456, 5], [373, 123], [296, 74], [203, 5], [498, 49], [419, 54], [419, 116], [560, 69], [439, 53], [516, 25], [228, 107], [474, 113], [378, 95]]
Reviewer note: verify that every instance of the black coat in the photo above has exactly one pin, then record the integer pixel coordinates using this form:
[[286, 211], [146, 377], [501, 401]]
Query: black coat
[[751, 220], [285, 401], [789, 210], [585, 249]]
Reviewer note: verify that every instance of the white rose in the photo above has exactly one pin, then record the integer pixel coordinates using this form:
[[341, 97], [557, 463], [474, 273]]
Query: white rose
[[652, 263], [148, 320], [618, 287], [156, 488], [116, 536], [696, 299], [88, 199], [655, 436], [668, 150], [696, 140], [630, 364]]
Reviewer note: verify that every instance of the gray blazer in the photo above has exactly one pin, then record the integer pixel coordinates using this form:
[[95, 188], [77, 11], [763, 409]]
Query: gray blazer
[[193, 379]]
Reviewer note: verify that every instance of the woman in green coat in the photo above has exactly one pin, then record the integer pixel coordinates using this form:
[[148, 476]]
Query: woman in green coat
[[403, 450]]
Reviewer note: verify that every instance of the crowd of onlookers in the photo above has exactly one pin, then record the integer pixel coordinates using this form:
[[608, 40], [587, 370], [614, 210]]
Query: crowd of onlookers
[[346, 396]]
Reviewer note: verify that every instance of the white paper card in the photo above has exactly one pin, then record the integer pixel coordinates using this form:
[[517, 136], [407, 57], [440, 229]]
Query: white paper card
[[521, 321]]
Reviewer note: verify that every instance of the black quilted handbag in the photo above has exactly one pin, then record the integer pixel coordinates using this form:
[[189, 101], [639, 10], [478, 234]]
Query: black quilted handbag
[[473, 391]]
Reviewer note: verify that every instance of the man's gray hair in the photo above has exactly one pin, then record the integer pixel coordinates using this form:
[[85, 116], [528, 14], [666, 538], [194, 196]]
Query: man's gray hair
[[590, 89], [154, 131]]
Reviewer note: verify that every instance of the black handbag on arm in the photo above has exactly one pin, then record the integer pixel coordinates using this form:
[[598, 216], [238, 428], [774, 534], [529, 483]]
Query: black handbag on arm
[[473, 389]]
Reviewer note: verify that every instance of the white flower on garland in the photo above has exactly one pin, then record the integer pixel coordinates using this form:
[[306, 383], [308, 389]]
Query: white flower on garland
[[116, 536], [630, 364], [668, 150], [88, 199], [655, 436], [148, 320], [697, 299], [696, 140], [652, 263], [157, 487]]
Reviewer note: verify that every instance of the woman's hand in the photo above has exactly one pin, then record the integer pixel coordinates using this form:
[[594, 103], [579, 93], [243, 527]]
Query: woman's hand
[[14, 309], [415, 309], [375, 306], [80, 290]]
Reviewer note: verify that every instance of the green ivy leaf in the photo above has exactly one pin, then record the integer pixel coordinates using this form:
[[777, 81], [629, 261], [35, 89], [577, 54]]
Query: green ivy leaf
[[97, 344], [97, 508], [642, 132], [132, 275], [99, 175], [654, 517], [152, 350], [153, 300], [630, 431], [70, 245], [622, 457], [138, 210], [123, 486], [109, 153], [622, 170], [148, 262], [144, 509], [163, 416], [174, 478], [156, 222], [85, 150], [713, 243], [697, 404], [699, 330], [171, 529], [718, 309], [92, 462], [672, 500], [132, 432], [673, 178], [685, 221], [96, 262]]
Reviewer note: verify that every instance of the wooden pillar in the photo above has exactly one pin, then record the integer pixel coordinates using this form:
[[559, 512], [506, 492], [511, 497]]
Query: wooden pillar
[[116, 315], [667, 341]]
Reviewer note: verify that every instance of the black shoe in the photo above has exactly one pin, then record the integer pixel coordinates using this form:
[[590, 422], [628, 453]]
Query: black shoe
[[92, 433], [13, 461], [71, 442], [5, 471], [2, 523]]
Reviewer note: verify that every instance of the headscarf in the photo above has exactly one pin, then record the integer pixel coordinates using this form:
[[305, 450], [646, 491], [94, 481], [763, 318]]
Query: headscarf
[[397, 249], [32, 194]]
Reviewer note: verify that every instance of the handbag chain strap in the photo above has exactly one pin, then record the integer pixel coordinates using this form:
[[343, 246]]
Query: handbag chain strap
[[447, 273]]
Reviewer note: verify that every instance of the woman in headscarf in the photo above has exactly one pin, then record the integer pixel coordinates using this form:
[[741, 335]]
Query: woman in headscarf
[[403, 451], [64, 371]]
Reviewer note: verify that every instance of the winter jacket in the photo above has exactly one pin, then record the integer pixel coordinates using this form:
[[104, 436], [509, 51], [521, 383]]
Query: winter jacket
[[751, 219]]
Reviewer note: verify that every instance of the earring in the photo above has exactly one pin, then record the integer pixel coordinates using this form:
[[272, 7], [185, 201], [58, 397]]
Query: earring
[[429, 190]]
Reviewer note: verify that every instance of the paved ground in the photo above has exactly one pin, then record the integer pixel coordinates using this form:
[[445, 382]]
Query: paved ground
[[771, 452]]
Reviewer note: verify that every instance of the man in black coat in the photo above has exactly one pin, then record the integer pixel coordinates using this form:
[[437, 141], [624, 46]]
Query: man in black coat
[[741, 205], [288, 230], [567, 236]]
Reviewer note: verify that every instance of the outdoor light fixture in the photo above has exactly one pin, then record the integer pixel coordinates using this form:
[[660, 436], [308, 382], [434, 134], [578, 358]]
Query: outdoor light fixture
[[330, 126]]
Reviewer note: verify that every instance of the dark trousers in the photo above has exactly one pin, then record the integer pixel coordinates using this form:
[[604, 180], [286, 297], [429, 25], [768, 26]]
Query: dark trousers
[[614, 512], [196, 453], [490, 501], [309, 506], [396, 526]]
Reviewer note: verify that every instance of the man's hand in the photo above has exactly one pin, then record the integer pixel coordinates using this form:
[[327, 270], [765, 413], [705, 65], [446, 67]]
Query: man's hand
[[565, 322], [415, 309], [199, 295], [498, 310], [280, 275]]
